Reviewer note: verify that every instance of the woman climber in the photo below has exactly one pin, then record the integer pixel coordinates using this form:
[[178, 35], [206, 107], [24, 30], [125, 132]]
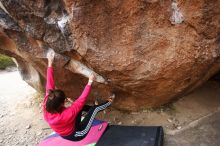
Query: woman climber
[[66, 121]]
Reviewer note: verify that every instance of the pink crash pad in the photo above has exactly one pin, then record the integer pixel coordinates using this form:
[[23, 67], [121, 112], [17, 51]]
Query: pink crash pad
[[92, 137]]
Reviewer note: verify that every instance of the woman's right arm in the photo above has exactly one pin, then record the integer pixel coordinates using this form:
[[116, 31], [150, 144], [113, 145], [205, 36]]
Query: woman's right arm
[[78, 104]]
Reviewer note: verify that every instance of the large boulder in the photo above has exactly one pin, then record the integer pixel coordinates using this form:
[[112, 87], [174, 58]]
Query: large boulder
[[146, 52]]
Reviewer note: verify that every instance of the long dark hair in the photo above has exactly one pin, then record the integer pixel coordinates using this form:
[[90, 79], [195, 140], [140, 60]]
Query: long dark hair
[[55, 101]]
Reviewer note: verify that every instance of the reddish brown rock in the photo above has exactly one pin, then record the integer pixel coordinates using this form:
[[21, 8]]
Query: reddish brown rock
[[147, 51]]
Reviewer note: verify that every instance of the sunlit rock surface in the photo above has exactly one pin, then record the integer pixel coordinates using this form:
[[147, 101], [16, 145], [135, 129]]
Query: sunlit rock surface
[[146, 52]]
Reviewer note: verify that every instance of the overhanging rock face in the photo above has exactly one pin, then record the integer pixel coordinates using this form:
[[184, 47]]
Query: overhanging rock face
[[146, 52]]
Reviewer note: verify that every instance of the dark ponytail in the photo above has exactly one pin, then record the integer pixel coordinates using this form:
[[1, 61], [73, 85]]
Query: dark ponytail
[[55, 101]]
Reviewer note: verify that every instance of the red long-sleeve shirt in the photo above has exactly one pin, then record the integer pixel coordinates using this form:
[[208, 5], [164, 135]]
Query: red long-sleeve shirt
[[63, 123]]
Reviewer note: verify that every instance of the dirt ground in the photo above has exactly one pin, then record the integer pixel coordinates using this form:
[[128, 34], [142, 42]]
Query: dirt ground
[[204, 133], [20, 119], [22, 124]]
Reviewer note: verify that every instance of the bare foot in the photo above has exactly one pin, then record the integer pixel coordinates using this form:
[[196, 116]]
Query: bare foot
[[96, 102], [111, 98]]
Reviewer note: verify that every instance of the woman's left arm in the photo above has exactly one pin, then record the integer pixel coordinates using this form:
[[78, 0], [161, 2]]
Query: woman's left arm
[[50, 75], [50, 80]]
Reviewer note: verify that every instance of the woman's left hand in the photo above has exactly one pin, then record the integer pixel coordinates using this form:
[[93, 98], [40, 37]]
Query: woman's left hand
[[50, 57]]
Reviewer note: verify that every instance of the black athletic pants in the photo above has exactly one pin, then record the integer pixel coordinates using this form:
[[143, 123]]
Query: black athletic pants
[[83, 127]]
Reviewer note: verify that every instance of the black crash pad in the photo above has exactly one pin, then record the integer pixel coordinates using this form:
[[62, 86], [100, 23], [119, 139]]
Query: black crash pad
[[132, 136]]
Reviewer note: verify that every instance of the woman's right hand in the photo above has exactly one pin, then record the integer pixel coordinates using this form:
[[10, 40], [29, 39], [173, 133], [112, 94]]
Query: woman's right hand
[[91, 78]]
